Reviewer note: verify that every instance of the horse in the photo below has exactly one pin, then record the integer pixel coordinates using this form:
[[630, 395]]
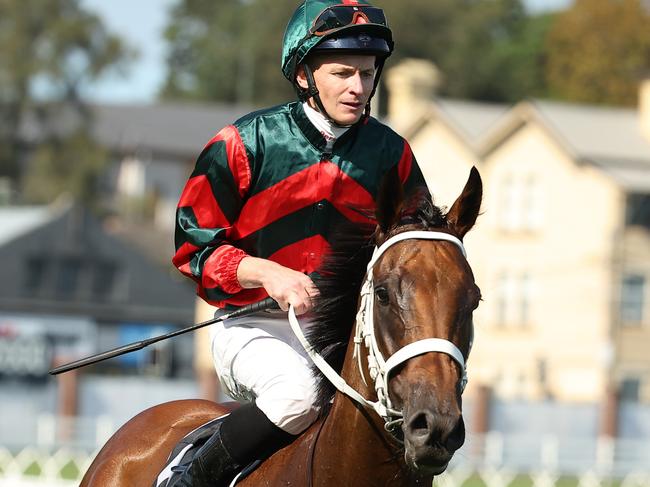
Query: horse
[[412, 302]]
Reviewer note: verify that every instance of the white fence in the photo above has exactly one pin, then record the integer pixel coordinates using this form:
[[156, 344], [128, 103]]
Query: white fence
[[562, 457], [493, 460], [42, 467]]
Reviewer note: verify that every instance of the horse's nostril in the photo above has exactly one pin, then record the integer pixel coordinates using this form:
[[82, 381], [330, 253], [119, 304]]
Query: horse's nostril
[[420, 425], [419, 429], [426, 429]]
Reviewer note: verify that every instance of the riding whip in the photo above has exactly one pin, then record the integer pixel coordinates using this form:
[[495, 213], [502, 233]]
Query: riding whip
[[268, 303]]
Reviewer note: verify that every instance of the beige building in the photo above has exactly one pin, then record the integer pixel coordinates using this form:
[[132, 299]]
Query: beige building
[[562, 250]]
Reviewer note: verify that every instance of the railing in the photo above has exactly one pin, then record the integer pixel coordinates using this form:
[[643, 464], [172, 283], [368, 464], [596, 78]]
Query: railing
[[493, 460], [42, 467], [607, 457]]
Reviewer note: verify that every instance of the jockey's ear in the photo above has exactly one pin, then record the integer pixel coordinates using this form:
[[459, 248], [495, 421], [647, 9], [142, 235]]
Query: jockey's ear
[[301, 78], [463, 213], [389, 201]]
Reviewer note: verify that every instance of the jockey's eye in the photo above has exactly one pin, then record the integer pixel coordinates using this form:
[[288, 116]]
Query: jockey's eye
[[382, 295]]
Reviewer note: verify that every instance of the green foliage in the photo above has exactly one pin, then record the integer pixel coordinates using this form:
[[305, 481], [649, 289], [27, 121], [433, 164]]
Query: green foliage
[[48, 50], [70, 165], [227, 51], [483, 47], [598, 51], [230, 50]]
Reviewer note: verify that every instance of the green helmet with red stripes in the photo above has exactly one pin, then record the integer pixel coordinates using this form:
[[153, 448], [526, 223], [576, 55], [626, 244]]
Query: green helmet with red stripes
[[353, 26]]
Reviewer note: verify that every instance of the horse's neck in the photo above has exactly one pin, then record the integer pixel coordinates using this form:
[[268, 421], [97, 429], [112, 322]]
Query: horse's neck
[[363, 447]]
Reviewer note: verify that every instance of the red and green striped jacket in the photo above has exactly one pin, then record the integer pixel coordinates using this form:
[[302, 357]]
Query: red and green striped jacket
[[265, 187]]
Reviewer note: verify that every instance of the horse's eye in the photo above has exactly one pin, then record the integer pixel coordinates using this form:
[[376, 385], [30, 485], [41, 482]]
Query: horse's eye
[[382, 295]]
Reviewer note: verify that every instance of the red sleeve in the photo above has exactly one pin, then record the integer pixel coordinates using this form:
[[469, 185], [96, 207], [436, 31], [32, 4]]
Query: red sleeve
[[209, 205]]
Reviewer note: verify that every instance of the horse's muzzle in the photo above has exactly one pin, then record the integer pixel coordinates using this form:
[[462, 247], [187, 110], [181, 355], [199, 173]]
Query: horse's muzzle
[[430, 439]]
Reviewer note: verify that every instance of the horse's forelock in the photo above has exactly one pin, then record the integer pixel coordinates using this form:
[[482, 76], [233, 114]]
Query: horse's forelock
[[419, 212]]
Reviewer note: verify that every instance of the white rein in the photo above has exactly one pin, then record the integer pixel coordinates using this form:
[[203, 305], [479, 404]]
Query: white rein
[[379, 367]]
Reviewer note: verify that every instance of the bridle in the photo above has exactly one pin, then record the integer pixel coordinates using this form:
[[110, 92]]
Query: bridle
[[379, 367]]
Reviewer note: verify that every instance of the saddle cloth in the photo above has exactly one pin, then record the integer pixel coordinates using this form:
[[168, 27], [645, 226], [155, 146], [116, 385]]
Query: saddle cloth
[[186, 449]]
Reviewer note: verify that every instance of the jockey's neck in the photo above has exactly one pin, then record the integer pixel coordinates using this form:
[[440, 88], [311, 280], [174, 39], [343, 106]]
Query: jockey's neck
[[324, 125]]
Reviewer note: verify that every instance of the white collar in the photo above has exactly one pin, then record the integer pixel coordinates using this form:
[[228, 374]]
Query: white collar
[[330, 131]]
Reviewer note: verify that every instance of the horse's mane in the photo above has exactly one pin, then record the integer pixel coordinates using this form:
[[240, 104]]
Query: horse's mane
[[341, 277]]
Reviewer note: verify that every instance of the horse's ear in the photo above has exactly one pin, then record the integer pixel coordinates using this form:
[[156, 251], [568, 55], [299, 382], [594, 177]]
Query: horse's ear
[[463, 213], [389, 200]]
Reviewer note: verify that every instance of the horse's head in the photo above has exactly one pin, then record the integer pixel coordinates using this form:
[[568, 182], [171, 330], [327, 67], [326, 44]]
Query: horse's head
[[425, 289]]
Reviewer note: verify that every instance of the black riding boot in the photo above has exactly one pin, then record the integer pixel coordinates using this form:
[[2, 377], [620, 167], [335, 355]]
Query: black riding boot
[[244, 436]]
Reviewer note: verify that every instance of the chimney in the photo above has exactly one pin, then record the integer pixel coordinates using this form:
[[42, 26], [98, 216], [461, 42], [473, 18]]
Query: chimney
[[411, 84], [644, 108]]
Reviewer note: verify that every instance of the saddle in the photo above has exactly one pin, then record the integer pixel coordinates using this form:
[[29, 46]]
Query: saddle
[[185, 450]]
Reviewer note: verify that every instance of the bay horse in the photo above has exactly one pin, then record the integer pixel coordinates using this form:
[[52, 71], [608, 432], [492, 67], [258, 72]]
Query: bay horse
[[413, 303]]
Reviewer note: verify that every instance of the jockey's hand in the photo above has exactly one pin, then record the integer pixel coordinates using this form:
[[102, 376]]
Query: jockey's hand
[[284, 285]]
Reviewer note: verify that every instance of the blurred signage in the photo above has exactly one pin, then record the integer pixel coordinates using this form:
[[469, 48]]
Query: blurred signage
[[30, 343], [24, 356]]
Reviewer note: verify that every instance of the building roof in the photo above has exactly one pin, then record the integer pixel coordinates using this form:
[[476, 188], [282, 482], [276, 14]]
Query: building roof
[[64, 261], [472, 119], [607, 137], [598, 133], [17, 221], [469, 120], [179, 129], [172, 128]]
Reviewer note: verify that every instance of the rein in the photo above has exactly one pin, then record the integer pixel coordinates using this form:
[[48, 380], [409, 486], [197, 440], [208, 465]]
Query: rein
[[379, 367]]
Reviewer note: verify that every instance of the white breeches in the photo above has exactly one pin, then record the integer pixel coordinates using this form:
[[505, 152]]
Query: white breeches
[[258, 358]]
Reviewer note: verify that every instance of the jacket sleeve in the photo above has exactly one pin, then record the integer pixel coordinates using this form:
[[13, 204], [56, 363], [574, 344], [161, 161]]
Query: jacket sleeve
[[409, 171], [209, 205]]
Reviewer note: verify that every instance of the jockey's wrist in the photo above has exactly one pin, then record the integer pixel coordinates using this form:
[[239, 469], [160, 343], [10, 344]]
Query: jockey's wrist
[[252, 272]]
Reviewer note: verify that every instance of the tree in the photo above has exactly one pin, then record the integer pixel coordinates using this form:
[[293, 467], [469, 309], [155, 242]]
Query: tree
[[230, 50], [227, 51], [598, 50], [486, 49], [48, 51]]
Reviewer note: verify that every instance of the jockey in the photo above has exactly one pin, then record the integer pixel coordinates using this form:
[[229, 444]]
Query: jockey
[[256, 214]]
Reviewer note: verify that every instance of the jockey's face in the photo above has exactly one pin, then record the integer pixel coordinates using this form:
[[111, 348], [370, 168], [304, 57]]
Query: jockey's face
[[344, 82]]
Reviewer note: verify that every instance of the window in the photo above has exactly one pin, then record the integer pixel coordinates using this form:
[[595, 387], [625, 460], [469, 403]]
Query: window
[[68, 277], [103, 280], [503, 298], [533, 208], [521, 203], [35, 274], [526, 291], [515, 293], [637, 210], [632, 299], [509, 204]]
